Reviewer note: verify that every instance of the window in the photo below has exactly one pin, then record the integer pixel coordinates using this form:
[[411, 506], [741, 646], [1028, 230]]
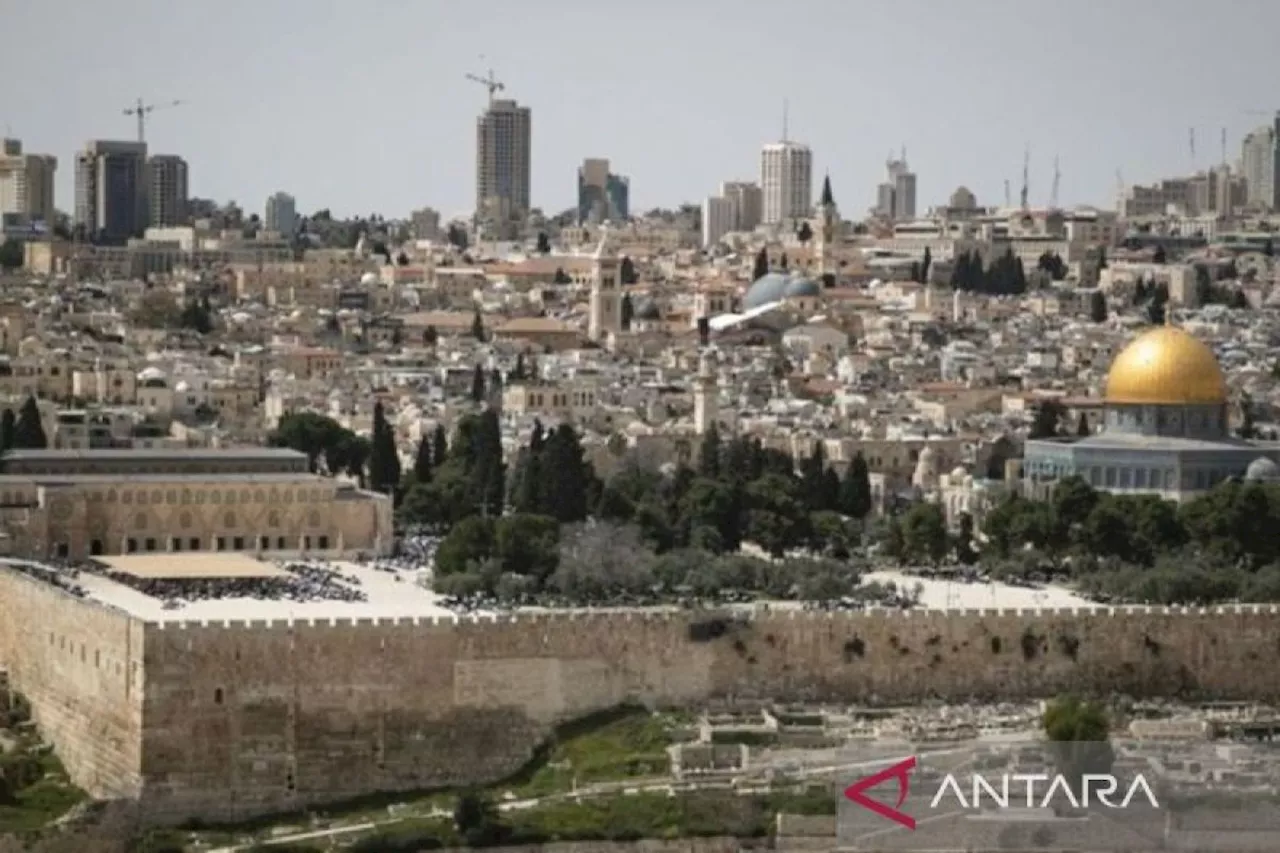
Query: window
[[237, 544], [175, 544], [280, 543], [150, 544], [324, 543], [217, 696], [220, 544], [193, 544], [264, 543], [130, 546]]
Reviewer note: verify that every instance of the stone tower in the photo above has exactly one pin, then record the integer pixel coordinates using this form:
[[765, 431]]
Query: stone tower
[[706, 394], [606, 292], [828, 222]]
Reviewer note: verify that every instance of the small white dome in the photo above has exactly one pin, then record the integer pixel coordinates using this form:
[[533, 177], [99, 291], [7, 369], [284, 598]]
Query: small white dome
[[369, 279], [1262, 469], [147, 374]]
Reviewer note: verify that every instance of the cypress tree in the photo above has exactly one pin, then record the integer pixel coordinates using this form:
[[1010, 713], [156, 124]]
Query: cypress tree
[[477, 385], [518, 373], [566, 476], [477, 326], [28, 432], [384, 461], [762, 265], [7, 426], [812, 471], [526, 491], [439, 446], [487, 474], [422, 461], [709, 453], [855, 488]]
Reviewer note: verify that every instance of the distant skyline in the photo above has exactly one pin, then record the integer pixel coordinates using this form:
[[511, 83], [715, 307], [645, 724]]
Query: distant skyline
[[365, 109]]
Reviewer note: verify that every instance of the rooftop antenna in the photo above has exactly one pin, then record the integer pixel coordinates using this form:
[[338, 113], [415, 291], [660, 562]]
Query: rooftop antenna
[[1026, 179], [1224, 146], [786, 109], [1057, 179], [1008, 199], [904, 156], [1191, 142]]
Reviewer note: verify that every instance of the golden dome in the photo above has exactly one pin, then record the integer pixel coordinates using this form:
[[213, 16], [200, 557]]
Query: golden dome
[[1166, 365]]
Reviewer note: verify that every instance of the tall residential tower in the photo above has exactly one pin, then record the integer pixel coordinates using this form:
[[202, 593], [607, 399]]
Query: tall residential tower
[[111, 189], [602, 195], [166, 187], [503, 145], [26, 184], [786, 181]]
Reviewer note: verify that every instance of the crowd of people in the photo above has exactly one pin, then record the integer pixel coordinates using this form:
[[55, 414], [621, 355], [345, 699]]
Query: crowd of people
[[307, 579]]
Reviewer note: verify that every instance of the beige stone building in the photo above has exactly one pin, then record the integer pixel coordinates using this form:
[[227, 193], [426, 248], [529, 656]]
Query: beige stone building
[[75, 504]]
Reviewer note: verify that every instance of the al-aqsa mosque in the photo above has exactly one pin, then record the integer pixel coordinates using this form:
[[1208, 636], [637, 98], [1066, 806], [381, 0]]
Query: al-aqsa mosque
[[1165, 427]]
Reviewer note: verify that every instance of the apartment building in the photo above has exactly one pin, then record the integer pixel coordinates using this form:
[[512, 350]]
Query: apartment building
[[786, 182], [503, 162], [281, 214], [26, 184], [602, 195], [1260, 163], [111, 189], [166, 186], [896, 196]]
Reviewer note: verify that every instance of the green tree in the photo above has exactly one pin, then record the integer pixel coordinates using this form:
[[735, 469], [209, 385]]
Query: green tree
[[709, 453], [11, 254], [1097, 307], [627, 271], [761, 266], [8, 430], [439, 446], [477, 820], [317, 436], [384, 459], [1048, 420], [197, 316], [477, 326], [567, 480], [926, 264], [527, 544], [855, 488], [628, 312], [1158, 256], [469, 542], [477, 385], [28, 432], [422, 461], [1082, 426], [924, 532], [804, 233], [1079, 738], [544, 243]]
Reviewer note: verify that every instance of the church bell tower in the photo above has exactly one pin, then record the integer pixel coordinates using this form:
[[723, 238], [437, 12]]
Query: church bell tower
[[828, 224]]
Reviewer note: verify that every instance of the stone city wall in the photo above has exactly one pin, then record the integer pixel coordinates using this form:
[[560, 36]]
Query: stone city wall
[[243, 718], [80, 665]]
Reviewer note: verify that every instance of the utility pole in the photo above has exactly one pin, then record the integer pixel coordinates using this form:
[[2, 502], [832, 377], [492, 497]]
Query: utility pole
[[1026, 168]]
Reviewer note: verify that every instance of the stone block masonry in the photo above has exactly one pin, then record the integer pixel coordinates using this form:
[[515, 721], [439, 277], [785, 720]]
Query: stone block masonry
[[230, 720]]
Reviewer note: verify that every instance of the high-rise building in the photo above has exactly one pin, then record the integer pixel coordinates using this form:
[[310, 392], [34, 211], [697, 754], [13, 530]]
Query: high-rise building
[[503, 162], [1260, 163], [602, 195], [166, 187], [111, 189], [26, 184], [786, 181], [896, 197], [736, 208], [281, 214], [424, 224], [748, 203]]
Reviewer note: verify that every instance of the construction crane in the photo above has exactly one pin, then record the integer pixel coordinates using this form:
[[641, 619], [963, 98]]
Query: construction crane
[[490, 82], [142, 110], [1057, 179]]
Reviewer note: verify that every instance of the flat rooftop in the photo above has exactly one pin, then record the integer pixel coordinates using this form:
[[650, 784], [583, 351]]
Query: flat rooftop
[[192, 565]]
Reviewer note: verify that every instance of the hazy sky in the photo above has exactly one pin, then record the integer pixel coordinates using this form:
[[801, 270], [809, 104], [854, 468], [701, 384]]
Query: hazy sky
[[362, 107]]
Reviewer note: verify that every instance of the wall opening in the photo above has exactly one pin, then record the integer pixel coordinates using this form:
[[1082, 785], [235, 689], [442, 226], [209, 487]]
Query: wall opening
[[217, 696]]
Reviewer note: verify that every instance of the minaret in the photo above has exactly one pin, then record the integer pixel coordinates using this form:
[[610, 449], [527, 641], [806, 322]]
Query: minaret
[[828, 222], [706, 394], [606, 292]]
